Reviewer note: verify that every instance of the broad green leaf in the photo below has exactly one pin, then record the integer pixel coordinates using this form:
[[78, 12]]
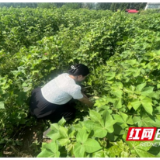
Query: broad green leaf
[[155, 147], [110, 75], [63, 132], [118, 130], [78, 150], [143, 153], [100, 132], [128, 90], [140, 86], [71, 132], [118, 104], [118, 148], [46, 154], [49, 150], [95, 116], [132, 88], [62, 121], [117, 92], [54, 132], [147, 91], [157, 110], [78, 126], [91, 146], [90, 125], [125, 154], [108, 121], [2, 105], [118, 118], [139, 149], [109, 126], [107, 118], [124, 116], [130, 120], [69, 147], [129, 105], [82, 136], [135, 104], [99, 154], [155, 94], [147, 104], [146, 121], [63, 141]]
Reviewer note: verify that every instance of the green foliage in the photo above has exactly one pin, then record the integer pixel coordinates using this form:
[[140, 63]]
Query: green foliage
[[46, 5], [123, 56]]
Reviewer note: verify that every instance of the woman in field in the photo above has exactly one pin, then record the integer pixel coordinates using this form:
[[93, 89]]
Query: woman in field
[[52, 101]]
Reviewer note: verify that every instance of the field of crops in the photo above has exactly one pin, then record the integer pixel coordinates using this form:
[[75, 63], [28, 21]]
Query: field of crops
[[123, 53]]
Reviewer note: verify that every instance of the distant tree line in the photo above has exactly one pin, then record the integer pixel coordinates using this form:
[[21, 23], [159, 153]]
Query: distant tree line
[[97, 6]]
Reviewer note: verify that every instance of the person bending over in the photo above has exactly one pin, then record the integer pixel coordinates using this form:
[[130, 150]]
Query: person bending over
[[52, 101]]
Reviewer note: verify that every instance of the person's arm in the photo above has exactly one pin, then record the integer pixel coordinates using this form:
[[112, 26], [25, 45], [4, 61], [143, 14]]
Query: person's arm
[[86, 101]]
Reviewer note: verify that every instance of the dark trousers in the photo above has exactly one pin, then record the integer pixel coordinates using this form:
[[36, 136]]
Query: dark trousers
[[42, 109]]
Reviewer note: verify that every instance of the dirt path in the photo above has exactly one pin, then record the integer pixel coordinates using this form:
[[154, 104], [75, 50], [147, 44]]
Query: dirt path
[[30, 139]]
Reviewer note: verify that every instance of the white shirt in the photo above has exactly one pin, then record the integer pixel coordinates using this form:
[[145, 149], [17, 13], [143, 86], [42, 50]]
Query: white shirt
[[61, 89]]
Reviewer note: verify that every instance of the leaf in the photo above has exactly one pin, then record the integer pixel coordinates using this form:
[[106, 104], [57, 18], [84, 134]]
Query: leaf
[[135, 104], [124, 116], [106, 117], [82, 136], [63, 132], [78, 150], [143, 153], [118, 118], [118, 103], [117, 92], [155, 148], [146, 121], [49, 150], [63, 141], [62, 121], [110, 75], [147, 104], [132, 88], [147, 91], [140, 150], [140, 86], [2, 105], [129, 105], [90, 125], [108, 121], [155, 95], [91, 146], [130, 120], [117, 149], [101, 153], [109, 127], [54, 132], [99, 131], [96, 117], [124, 154]]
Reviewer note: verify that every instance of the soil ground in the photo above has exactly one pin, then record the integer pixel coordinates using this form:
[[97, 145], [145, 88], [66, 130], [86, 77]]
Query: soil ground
[[30, 139]]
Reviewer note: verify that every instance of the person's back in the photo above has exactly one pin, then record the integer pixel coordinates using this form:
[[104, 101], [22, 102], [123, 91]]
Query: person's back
[[52, 100], [65, 88]]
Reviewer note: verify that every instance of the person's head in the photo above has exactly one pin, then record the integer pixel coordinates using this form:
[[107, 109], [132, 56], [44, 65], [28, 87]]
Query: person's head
[[79, 71]]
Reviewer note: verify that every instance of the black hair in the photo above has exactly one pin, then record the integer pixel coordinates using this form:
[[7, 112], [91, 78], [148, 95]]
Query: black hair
[[78, 69]]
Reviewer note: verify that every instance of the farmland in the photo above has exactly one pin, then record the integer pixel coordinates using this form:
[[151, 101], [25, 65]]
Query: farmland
[[121, 50]]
